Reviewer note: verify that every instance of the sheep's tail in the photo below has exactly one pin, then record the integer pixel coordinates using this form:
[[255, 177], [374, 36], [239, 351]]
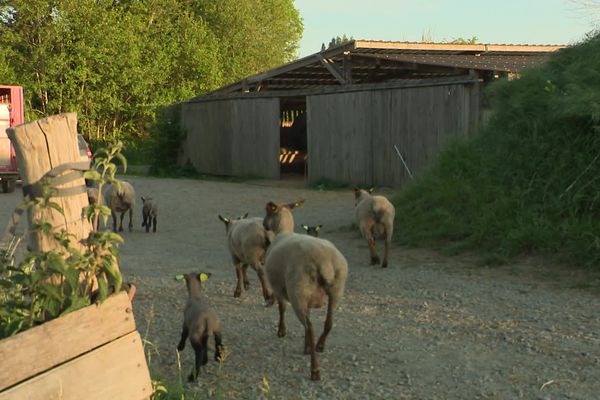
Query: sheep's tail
[[330, 280]]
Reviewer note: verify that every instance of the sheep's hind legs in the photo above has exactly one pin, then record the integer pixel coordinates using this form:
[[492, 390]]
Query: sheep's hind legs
[[240, 276], [327, 328], [309, 348], [184, 335], [281, 327]]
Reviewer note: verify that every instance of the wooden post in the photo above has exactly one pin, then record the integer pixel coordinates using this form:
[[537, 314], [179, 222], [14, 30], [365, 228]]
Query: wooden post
[[40, 146]]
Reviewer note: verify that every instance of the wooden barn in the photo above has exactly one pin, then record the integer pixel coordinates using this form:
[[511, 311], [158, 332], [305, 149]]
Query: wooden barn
[[366, 112]]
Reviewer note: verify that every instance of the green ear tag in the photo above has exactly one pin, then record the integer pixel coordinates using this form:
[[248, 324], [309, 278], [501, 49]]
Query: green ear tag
[[203, 277], [178, 277]]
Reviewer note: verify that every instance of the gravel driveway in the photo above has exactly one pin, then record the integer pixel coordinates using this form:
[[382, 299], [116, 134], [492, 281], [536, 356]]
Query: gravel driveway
[[427, 327]]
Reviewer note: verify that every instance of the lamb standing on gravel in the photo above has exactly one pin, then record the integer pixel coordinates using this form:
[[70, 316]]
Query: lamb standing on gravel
[[375, 216], [199, 323], [247, 242], [303, 270], [149, 213], [120, 199]]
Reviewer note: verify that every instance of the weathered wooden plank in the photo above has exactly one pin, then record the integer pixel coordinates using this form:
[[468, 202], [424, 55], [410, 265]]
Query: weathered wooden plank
[[116, 370], [40, 146], [42, 347], [230, 137]]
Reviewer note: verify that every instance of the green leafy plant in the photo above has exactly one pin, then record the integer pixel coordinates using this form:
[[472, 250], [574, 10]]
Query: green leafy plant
[[47, 284]]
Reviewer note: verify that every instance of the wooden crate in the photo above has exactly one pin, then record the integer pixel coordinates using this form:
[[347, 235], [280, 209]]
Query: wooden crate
[[92, 353]]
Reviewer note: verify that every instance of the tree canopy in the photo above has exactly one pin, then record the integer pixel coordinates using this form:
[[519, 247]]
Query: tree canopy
[[115, 62]]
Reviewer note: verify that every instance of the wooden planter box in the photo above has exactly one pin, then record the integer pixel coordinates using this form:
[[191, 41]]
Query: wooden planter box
[[92, 353]]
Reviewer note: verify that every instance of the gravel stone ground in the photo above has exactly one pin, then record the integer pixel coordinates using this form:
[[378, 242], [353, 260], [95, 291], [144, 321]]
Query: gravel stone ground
[[427, 327]]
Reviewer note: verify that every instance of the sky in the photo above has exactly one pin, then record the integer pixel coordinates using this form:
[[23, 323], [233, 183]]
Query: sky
[[497, 22]]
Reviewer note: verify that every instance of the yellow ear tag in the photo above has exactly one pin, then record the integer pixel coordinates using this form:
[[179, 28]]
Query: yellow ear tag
[[203, 277], [178, 277]]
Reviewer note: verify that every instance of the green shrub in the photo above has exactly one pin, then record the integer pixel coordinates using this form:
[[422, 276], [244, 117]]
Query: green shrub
[[528, 182]]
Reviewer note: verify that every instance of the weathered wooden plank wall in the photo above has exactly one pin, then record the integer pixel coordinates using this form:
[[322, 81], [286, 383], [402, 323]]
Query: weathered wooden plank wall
[[351, 136], [232, 137]]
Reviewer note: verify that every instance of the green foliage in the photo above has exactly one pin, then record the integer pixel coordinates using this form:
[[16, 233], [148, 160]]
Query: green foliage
[[166, 138], [529, 180], [254, 35], [116, 63], [461, 40], [47, 284], [337, 41]]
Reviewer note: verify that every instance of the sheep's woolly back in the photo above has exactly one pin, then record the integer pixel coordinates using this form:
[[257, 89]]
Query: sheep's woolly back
[[302, 269], [119, 199], [200, 319], [247, 240], [374, 210]]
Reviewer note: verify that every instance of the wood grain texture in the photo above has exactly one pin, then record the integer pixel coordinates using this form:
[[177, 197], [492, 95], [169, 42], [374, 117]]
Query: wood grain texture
[[232, 137], [116, 370], [40, 146], [42, 347]]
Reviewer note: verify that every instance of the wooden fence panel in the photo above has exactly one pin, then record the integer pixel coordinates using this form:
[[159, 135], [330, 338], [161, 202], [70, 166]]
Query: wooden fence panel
[[208, 129], [114, 371], [42, 347], [232, 137], [255, 138], [351, 136]]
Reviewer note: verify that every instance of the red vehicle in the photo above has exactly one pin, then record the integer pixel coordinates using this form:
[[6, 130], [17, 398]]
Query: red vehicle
[[11, 114]]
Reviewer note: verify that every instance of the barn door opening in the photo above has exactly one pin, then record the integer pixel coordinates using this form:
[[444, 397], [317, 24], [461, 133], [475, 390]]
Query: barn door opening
[[293, 156]]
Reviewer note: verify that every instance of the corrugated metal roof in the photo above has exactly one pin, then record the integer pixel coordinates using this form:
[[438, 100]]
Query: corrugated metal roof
[[367, 61]]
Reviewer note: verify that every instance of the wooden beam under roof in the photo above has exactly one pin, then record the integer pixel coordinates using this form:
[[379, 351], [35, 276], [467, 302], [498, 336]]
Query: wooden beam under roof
[[367, 44]]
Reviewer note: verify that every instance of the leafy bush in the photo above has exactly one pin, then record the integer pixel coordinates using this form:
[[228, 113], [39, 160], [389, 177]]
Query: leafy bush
[[47, 284], [529, 180]]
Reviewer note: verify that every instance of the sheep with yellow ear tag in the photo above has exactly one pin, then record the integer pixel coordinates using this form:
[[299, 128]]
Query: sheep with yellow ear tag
[[200, 322]]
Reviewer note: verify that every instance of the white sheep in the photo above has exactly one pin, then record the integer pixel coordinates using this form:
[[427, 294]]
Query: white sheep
[[303, 270], [375, 216], [281, 218], [120, 199], [149, 213], [200, 322], [247, 241]]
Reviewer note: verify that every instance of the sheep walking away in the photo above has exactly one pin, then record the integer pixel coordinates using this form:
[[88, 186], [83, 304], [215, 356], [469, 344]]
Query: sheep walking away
[[304, 271], [149, 213], [375, 217], [200, 322], [247, 241]]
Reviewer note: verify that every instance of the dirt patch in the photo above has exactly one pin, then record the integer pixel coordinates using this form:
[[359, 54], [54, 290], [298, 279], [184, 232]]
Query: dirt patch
[[427, 327]]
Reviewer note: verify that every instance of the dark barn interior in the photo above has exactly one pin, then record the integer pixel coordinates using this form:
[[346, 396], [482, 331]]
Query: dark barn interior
[[293, 156]]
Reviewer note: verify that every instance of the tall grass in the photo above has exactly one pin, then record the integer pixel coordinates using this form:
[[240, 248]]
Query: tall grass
[[530, 180]]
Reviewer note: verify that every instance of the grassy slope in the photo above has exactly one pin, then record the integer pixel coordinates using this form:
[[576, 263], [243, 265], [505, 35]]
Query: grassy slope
[[530, 181]]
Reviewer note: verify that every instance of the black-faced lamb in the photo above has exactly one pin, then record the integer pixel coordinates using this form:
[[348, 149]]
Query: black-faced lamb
[[200, 322], [120, 199], [375, 217], [312, 230], [280, 216], [149, 213], [304, 270], [247, 241]]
